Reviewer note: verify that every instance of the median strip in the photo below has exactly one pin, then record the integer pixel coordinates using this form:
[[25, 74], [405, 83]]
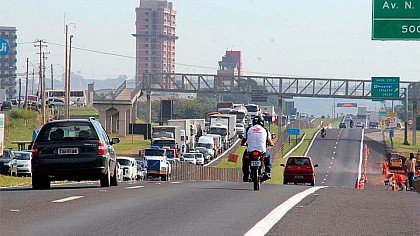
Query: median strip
[[67, 199]]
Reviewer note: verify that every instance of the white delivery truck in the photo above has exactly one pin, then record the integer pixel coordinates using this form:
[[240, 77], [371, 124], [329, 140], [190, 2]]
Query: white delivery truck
[[225, 126], [188, 131]]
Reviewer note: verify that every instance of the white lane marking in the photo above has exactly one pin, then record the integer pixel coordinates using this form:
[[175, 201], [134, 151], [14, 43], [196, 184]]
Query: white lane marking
[[312, 141], [133, 187], [332, 158], [326, 176], [264, 225], [331, 163], [335, 147], [322, 182], [324, 179], [359, 174], [328, 171], [336, 142], [334, 152], [67, 199], [329, 167], [175, 182]]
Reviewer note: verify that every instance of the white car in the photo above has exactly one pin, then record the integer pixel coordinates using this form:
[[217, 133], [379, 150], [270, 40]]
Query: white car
[[199, 158], [189, 158], [240, 129], [119, 172], [129, 166], [23, 163]]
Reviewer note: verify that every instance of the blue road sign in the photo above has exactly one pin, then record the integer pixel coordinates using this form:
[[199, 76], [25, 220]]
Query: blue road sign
[[293, 131], [4, 47], [391, 133]]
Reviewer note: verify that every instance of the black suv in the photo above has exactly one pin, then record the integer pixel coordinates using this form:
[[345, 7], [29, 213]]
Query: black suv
[[6, 105], [73, 149]]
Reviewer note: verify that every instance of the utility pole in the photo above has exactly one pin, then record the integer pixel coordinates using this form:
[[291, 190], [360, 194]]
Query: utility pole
[[52, 78], [66, 75], [33, 81], [27, 84], [20, 91], [39, 44], [406, 117]]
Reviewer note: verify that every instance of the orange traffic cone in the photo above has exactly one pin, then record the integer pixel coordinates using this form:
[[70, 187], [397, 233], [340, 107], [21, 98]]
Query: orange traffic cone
[[362, 184], [356, 186], [394, 187]]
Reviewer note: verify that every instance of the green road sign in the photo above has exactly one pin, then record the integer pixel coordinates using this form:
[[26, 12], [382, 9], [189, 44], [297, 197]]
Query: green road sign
[[385, 87], [396, 20]]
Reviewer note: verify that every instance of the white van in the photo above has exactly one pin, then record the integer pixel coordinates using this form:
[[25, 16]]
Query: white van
[[129, 166]]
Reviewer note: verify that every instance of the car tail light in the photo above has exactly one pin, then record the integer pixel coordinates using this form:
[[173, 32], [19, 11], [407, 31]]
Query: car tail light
[[101, 148], [35, 150]]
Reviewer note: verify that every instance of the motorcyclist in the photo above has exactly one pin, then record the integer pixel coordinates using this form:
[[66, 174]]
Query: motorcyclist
[[257, 138], [323, 131]]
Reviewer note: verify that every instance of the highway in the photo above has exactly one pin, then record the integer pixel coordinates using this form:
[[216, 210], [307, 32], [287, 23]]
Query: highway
[[334, 207]]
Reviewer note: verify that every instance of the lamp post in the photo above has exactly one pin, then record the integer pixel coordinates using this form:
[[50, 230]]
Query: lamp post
[[67, 77]]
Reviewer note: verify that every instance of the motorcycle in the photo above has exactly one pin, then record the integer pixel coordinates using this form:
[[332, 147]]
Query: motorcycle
[[256, 163], [323, 134]]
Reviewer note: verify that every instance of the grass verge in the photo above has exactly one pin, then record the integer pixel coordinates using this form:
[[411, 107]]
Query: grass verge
[[399, 140], [11, 181]]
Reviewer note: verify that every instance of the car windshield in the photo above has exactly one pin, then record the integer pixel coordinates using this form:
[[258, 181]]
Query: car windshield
[[123, 162], [206, 145], [298, 161], [68, 130], [189, 155], [198, 155], [22, 155]]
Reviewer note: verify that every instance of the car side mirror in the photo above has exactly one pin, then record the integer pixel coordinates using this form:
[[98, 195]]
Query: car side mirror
[[316, 165], [282, 165], [115, 140]]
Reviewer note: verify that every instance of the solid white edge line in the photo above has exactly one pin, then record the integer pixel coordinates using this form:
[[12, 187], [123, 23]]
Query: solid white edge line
[[222, 153], [264, 225], [67, 199], [295, 147], [312, 141], [359, 174]]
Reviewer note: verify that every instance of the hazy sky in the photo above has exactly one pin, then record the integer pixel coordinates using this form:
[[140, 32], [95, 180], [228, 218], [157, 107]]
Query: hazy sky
[[314, 38]]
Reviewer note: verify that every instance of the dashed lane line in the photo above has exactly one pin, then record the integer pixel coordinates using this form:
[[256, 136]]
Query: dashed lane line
[[67, 199], [134, 187]]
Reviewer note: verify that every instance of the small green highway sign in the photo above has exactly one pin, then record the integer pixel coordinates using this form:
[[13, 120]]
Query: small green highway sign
[[385, 87], [396, 20]]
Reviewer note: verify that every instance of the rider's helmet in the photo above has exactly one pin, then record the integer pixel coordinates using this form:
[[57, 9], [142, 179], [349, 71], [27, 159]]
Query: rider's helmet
[[258, 120]]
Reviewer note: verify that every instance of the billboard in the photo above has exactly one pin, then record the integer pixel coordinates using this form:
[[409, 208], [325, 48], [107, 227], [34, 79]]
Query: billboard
[[346, 104]]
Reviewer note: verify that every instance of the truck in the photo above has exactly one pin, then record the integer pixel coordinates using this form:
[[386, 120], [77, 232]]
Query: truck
[[225, 126], [374, 119], [191, 129], [361, 112], [218, 145], [253, 110], [208, 143], [158, 165], [269, 113], [241, 114], [224, 106], [167, 136]]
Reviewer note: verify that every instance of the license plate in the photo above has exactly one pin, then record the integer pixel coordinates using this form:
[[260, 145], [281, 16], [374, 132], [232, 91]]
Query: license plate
[[68, 151], [298, 177], [255, 163]]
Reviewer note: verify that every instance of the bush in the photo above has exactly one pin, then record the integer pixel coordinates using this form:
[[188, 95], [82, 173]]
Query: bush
[[17, 113]]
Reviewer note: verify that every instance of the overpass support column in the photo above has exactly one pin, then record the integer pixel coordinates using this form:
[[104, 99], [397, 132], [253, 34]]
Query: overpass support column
[[102, 118], [134, 112], [114, 120], [123, 122], [108, 124], [414, 125], [280, 118]]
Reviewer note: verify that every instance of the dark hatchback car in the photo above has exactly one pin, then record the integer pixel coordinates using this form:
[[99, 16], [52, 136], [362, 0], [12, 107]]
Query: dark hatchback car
[[299, 169], [8, 163], [342, 125], [6, 105], [74, 149]]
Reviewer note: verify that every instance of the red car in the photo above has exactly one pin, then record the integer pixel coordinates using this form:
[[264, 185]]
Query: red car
[[299, 169]]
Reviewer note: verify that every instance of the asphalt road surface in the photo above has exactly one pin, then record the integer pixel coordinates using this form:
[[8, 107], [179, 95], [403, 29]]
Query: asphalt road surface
[[204, 208]]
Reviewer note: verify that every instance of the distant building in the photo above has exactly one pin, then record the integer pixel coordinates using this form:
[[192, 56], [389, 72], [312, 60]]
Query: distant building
[[230, 65], [155, 38], [8, 59]]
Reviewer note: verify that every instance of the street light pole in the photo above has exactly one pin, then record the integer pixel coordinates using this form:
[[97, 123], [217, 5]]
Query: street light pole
[[67, 77]]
